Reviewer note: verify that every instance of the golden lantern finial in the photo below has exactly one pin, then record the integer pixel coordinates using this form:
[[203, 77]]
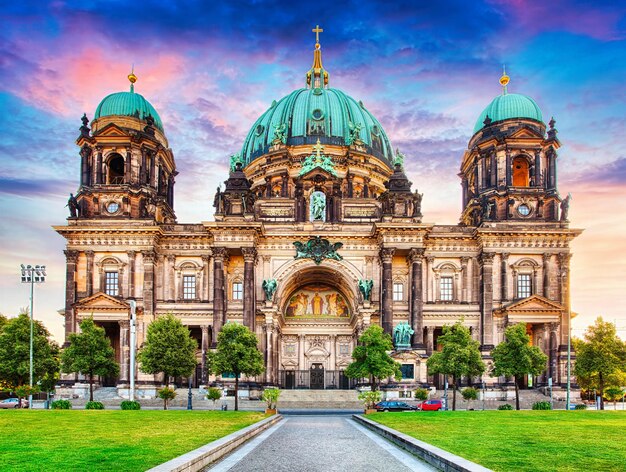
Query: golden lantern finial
[[132, 78], [504, 80], [317, 77]]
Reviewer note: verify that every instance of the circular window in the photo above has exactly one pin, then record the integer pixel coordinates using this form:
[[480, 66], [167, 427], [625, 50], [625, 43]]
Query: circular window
[[317, 91], [523, 209], [259, 130], [113, 207], [317, 114]]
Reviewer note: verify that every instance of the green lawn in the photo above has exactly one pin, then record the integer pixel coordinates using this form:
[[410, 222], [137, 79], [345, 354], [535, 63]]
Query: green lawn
[[111, 440], [522, 440]]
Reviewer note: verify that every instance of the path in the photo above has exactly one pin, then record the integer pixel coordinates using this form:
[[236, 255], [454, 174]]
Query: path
[[319, 443]]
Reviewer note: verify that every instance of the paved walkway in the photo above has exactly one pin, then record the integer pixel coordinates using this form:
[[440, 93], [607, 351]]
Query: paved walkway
[[319, 443]]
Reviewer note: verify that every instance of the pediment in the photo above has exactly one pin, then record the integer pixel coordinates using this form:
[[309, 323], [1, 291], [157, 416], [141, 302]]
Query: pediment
[[101, 302], [525, 132], [533, 305], [317, 174], [112, 130]]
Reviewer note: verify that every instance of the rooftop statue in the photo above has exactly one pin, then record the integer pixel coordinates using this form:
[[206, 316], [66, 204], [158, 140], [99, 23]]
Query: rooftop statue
[[318, 160]]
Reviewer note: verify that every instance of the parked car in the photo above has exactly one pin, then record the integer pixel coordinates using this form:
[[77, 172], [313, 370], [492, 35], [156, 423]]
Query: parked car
[[13, 403], [394, 406], [431, 405]]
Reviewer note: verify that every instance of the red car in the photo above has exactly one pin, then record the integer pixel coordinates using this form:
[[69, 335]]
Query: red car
[[431, 405]]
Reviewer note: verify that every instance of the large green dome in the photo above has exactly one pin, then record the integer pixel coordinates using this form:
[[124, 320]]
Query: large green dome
[[509, 106], [316, 113], [128, 104]]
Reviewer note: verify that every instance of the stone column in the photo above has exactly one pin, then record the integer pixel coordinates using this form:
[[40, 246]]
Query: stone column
[[430, 290], [85, 154], [171, 278], [546, 275], [249, 259], [99, 165], [350, 179], [219, 258], [386, 257], [333, 352], [509, 171], [152, 181], [131, 273], [268, 187], [89, 274], [486, 301], [71, 258], [127, 167], [430, 339], [416, 257], [564, 260], [537, 168], [465, 190], [494, 171], [464, 279], [504, 260], [301, 365], [553, 355], [148, 282], [283, 185], [551, 171], [205, 278], [124, 350], [204, 348]]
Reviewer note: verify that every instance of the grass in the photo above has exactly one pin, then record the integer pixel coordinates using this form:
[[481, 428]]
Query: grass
[[522, 440], [111, 440]]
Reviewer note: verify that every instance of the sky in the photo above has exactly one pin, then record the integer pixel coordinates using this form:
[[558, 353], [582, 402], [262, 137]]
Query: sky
[[426, 70]]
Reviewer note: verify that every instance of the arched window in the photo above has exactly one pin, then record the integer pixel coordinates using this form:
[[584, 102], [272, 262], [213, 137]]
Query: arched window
[[115, 169], [521, 174]]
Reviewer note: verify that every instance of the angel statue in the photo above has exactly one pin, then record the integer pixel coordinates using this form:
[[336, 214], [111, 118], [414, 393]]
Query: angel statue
[[279, 134], [269, 287], [365, 287]]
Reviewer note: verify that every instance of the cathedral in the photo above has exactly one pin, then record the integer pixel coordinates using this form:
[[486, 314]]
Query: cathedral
[[318, 234]]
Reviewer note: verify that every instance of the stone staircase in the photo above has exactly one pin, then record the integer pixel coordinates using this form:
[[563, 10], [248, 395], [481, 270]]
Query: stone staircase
[[319, 400]]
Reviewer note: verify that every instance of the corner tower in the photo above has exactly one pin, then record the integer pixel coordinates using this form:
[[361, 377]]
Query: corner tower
[[127, 168], [509, 169]]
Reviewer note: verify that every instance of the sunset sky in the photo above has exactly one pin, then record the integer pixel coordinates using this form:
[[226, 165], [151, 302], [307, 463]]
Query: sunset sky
[[425, 69]]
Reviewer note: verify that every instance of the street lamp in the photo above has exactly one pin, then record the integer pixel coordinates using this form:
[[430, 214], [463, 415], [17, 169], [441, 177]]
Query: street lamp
[[569, 340], [32, 275]]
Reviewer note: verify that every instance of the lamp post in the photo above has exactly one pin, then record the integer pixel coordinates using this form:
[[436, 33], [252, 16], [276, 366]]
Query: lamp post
[[133, 342], [189, 405], [569, 339], [32, 275]]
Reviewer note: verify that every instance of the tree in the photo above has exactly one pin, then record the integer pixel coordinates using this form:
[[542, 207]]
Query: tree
[[599, 355], [214, 394], [613, 394], [15, 353], [516, 357], [237, 353], [169, 348], [89, 353], [459, 356], [371, 358]]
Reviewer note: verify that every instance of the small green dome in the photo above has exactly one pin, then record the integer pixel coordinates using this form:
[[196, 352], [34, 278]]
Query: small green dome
[[128, 104], [309, 114], [509, 106]]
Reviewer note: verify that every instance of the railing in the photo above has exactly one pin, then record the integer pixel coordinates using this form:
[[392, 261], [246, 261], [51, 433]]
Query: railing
[[302, 379]]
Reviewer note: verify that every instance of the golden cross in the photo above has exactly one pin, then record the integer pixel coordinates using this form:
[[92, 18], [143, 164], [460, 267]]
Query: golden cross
[[318, 148], [317, 30]]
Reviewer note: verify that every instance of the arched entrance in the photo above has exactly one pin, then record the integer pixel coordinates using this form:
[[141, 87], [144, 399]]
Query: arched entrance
[[318, 314]]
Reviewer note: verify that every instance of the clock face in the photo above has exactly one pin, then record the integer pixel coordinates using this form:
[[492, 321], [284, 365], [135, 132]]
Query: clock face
[[113, 207], [523, 209]]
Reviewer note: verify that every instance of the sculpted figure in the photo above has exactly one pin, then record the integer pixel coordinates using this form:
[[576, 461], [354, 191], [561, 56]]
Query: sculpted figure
[[318, 206], [565, 207], [269, 287], [72, 204], [365, 287]]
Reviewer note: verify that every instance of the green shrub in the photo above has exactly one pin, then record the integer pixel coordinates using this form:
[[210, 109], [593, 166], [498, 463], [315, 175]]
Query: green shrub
[[130, 405], [166, 394], [421, 394], [61, 405], [369, 398], [469, 393], [542, 406], [506, 406], [270, 397], [94, 406], [580, 406]]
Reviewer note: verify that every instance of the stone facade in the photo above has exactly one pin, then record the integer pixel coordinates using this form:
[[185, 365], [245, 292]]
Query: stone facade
[[507, 261]]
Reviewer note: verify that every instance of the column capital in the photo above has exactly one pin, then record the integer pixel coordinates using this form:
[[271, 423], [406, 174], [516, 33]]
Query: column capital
[[546, 256], [554, 327], [220, 253], [505, 256], [486, 258], [564, 258], [71, 256], [416, 255], [124, 324], [386, 254], [204, 328], [249, 254], [464, 261], [171, 258], [148, 256], [131, 254], [205, 258], [430, 329]]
